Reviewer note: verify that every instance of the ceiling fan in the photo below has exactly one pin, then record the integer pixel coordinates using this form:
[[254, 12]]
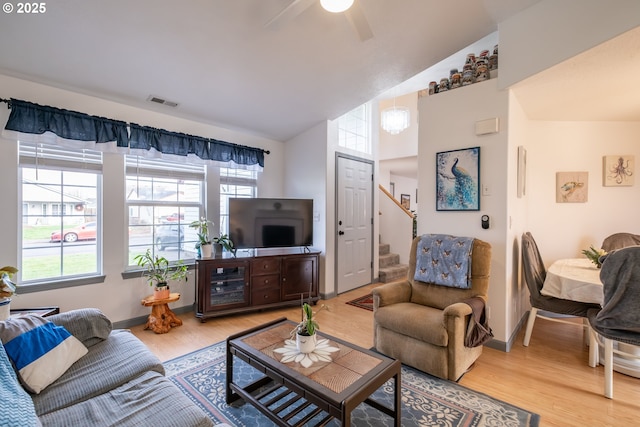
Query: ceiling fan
[[353, 13]]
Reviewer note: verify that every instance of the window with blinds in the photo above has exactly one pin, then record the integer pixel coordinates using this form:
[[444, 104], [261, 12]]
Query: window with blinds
[[61, 200], [235, 183], [162, 199]]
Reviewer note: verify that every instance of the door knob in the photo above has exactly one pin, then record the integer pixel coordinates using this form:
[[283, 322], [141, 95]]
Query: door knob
[[340, 233]]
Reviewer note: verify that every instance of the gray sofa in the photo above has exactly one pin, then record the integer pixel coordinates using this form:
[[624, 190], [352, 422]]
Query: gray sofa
[[119, 382]]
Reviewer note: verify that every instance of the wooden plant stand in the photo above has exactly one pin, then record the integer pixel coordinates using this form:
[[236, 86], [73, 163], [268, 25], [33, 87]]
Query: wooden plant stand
[[161, 319]]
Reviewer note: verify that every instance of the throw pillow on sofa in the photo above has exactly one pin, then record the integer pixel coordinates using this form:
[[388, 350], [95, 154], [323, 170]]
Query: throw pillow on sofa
[[39, 350], [89, 325]]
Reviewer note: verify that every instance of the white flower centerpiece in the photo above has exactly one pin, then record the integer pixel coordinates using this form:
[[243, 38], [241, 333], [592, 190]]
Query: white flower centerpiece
[[304, 346]]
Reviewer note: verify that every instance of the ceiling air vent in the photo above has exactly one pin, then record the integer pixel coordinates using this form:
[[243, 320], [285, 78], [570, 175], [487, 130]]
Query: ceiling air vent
[[158, 100]]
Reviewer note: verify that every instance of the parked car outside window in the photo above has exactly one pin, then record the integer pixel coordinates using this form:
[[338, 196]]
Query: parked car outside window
[[168, 236], [86, 231], [175, 217]]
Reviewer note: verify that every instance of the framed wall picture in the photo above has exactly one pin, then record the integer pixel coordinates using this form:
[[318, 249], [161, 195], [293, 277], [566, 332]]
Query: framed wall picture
[[405, 201], [618, 171], [458, 180], [522, 172], [572, 187]]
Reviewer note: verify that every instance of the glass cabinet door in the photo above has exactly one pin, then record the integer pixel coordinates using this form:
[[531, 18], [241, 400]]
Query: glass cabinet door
[[228, 285]]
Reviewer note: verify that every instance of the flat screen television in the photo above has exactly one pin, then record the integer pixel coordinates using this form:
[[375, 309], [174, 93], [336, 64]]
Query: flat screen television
[[270, 223]]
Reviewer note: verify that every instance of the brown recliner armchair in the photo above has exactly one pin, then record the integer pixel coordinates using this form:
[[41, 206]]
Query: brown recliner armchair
[[424, 325]]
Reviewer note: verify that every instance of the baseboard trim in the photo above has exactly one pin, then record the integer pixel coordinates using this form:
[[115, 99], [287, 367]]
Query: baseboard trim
[[328, 296], [506, 346]]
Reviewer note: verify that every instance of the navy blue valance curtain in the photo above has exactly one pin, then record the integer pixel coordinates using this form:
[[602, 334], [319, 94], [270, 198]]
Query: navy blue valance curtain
[[27, 117], [32, 118], [144, 137]]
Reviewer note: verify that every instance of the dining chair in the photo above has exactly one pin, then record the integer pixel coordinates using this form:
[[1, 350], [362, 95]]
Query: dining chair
[[543, 306], [617, 323], [620, 240]]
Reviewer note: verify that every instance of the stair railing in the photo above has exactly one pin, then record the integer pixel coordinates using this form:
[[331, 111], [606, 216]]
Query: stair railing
[[397, 224]]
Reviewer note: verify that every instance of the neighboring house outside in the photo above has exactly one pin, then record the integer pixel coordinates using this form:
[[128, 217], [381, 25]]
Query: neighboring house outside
[[42, 206]]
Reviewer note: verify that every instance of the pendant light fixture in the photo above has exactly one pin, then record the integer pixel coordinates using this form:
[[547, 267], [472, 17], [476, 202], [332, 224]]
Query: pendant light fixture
[[395, 119], [336, 6]]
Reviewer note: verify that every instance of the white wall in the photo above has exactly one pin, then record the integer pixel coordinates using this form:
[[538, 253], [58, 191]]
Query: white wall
[[305, 177], [563, 230], [404, 185], [119, 299], [448, 123], [517, 296]]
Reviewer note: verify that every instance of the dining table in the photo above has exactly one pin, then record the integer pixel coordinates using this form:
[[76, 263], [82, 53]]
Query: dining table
[[578, 279], [575, 279]]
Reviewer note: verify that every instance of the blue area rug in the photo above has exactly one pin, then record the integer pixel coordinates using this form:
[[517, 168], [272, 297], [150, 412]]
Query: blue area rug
[[426, 400]]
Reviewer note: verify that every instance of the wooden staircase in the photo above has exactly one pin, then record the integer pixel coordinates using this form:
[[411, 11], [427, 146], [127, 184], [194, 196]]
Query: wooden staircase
[[390, 269]]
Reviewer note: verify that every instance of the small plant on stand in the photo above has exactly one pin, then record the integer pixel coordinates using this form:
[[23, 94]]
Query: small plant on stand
[[158, 272], [204, 241]]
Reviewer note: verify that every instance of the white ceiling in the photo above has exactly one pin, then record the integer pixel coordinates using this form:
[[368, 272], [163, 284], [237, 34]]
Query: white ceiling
[[596, 85], [216, 59]]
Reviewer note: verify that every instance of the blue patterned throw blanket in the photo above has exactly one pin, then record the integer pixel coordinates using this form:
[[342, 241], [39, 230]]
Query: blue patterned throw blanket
[[444, 260]]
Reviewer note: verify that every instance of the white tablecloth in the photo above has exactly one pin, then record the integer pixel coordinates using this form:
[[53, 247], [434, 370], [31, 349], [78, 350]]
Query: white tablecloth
[[576, 279]]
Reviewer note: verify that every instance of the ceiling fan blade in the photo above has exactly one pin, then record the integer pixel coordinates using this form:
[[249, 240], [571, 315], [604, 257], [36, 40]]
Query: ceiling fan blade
[[358, 20], [295, 8]]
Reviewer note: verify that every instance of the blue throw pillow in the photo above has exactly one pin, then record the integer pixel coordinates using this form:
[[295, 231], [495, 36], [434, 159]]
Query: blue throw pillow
[[39, 350], [17, 407]]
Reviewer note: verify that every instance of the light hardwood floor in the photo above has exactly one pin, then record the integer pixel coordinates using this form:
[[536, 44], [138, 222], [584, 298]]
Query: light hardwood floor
[[551, 377]]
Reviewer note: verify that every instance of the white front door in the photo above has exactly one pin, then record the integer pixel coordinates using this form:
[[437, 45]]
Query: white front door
[[354, 223]]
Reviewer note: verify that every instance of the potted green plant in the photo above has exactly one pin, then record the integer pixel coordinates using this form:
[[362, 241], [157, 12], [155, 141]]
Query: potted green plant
[[594, 255], [225, 242], [158, 272], [7, 290], [204, 241], [305, 331]]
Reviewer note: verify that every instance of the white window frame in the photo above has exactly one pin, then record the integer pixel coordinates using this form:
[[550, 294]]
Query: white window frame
[[230, 180], [41, 156], [354, 129], [154, 168]]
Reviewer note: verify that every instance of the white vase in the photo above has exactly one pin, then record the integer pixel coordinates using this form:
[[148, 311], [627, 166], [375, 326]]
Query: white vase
[[5, 308], [306, 343], [206, 250]]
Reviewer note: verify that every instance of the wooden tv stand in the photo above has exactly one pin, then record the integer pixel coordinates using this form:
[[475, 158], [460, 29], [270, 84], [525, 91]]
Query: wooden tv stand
[[255, 280]]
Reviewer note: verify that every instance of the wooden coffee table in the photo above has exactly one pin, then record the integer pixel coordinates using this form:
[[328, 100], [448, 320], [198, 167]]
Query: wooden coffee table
[[292, 395]]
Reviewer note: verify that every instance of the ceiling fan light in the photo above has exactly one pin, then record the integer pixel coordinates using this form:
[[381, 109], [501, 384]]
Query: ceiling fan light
[[336, 6], [395, 119]]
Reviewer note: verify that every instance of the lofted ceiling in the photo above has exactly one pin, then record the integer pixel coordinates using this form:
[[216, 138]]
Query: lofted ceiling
[[596, 85], [221, 64]]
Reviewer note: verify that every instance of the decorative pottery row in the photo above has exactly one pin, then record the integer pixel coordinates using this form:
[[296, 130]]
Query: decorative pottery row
[[475, 69]]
